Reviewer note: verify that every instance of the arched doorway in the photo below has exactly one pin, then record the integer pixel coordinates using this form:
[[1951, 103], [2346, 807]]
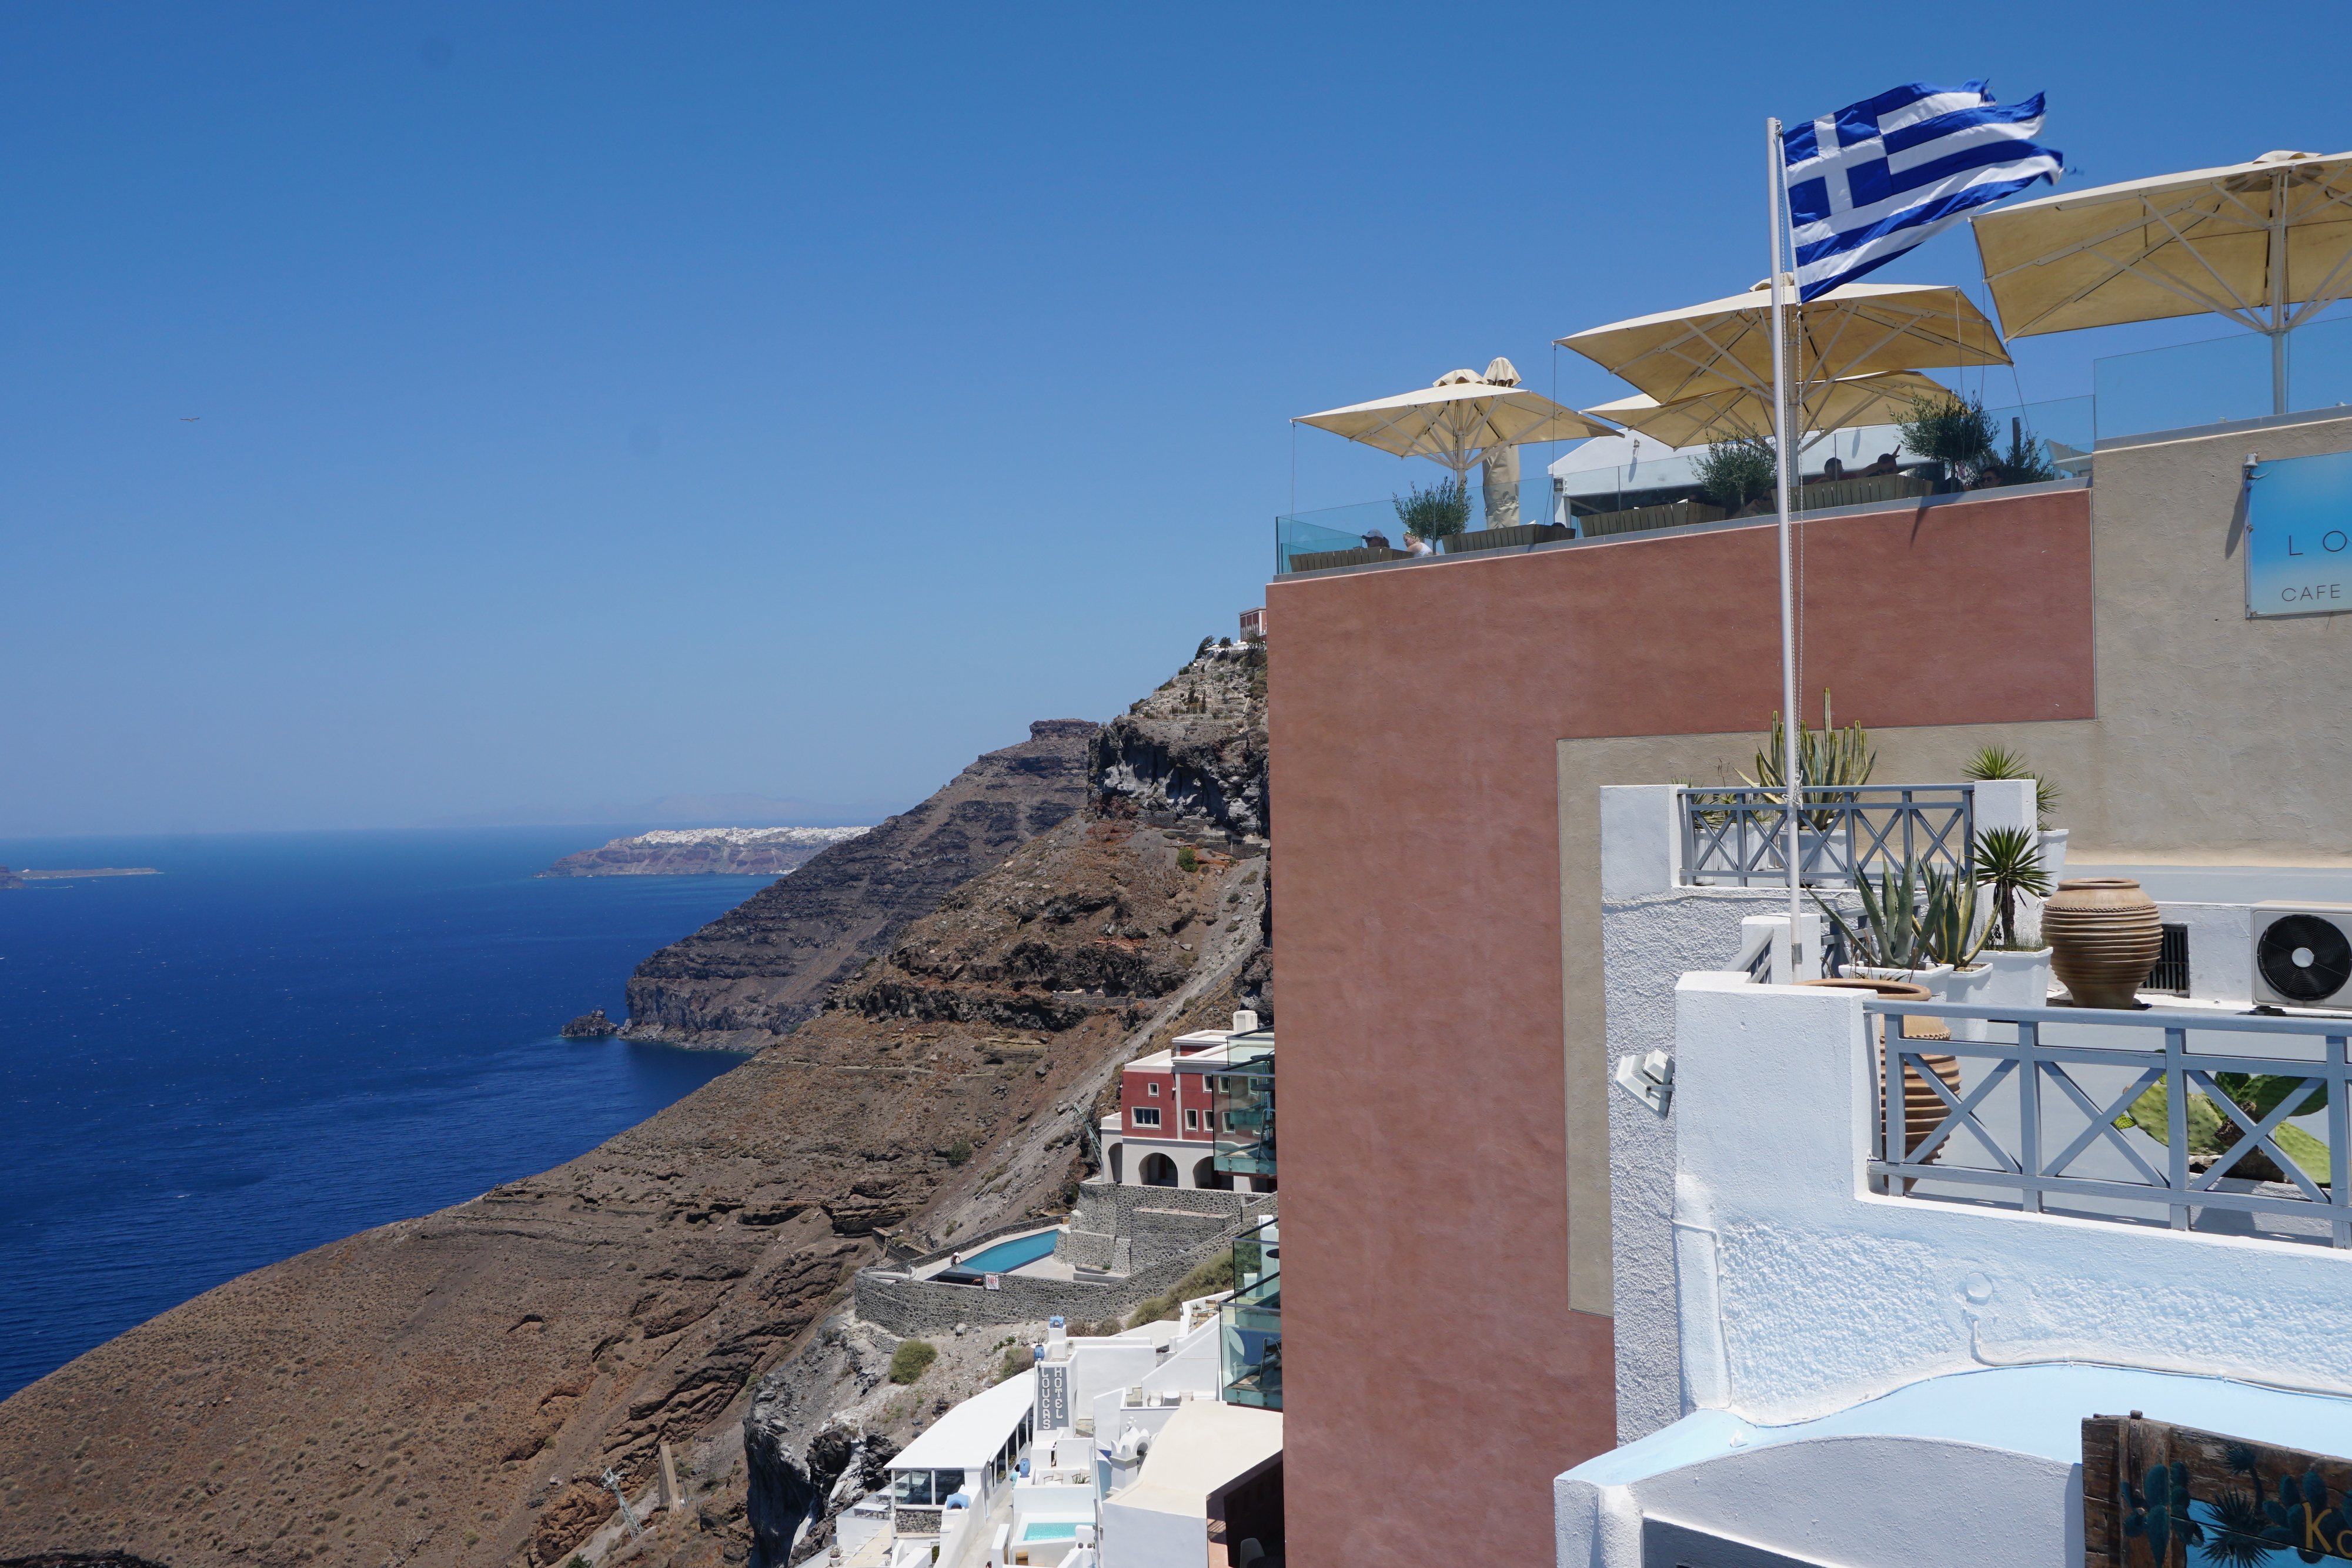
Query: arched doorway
[[1209, 1178], [1157, 1170], [1117, 1163]]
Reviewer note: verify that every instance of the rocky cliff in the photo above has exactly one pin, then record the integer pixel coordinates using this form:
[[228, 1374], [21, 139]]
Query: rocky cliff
[[766, 966], [705, 851], [449, 1390]]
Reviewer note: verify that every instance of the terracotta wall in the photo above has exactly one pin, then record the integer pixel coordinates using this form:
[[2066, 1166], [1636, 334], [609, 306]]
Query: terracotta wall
[[1438, 1370]]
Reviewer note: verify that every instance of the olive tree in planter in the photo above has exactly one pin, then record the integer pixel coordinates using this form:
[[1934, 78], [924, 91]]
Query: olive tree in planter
[[1437, 513], [1736, 470], [1953, 430]]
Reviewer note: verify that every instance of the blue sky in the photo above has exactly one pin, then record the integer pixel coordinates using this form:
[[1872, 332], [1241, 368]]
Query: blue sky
[[597, 402]]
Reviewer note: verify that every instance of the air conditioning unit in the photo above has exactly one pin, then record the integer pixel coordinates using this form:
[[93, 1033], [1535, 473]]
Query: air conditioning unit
[[2302, 955]]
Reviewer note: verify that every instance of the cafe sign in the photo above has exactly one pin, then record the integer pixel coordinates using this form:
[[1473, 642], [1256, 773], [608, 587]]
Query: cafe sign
[[2299, 536], [2159, 1496]]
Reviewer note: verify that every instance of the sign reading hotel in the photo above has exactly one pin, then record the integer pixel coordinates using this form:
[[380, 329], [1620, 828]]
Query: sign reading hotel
[[2299, 536], [2159, 1496]]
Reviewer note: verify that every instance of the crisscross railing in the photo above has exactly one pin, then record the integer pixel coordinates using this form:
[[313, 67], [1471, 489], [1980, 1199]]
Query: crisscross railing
[[2027, 1070], [1740, 837]]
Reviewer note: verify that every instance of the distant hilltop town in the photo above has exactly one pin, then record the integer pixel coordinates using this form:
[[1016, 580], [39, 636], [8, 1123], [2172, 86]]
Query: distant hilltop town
[[704, 852]]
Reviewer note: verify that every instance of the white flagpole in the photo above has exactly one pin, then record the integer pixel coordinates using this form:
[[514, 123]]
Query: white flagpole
[[1777, 173]]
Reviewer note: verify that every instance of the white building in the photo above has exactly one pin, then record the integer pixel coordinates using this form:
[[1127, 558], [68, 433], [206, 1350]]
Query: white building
[[1836, 1348]]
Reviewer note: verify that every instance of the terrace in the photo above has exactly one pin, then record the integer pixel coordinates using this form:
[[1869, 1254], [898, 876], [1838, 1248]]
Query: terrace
[[2209, 385]]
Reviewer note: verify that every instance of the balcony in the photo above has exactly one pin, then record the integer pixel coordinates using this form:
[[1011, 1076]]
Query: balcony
[[1250, 1321]]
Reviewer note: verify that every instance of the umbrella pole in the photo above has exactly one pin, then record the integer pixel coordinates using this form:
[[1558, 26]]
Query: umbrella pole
[[1776, 175]]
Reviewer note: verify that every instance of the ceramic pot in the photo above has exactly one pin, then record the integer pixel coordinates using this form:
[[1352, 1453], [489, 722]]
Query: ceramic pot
[[2104, 934], [1923, 1109], [2009, 979]]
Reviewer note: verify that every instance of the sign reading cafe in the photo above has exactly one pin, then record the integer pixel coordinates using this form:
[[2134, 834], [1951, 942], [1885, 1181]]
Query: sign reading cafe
[[2299, 536], [2159, 1496]]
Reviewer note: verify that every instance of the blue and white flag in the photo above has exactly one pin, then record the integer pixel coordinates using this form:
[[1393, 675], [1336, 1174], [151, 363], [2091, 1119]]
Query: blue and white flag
[[1870, 181]]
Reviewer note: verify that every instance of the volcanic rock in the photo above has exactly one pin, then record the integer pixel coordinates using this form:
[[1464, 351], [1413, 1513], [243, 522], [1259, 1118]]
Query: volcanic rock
[[767, 966], [591, 1026]]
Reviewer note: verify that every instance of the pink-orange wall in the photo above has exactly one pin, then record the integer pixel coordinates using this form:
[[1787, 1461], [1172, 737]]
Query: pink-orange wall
[[1435, 1379]]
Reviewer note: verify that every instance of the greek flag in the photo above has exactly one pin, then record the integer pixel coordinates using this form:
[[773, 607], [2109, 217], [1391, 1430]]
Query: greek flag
[[1870, 181]]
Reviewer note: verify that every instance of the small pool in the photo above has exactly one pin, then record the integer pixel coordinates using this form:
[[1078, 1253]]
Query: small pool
[[1007, 1255], [1050, 1530]]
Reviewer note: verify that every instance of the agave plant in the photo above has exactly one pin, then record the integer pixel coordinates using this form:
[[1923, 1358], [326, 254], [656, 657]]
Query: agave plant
[[2009, 861], [1889, 937], [1950, 929]]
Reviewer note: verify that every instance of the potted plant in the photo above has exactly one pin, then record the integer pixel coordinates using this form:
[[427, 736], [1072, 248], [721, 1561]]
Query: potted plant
[[2000, 762], [1889, 945], [1735, 471], [1953, 431], [1827, 759], [2009, 866], [1437, 513]]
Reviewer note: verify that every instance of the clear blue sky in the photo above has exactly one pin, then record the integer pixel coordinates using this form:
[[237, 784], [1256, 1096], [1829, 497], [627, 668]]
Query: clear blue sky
[[602, 403]]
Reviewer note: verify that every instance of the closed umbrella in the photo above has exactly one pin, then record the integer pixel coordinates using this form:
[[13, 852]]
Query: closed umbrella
[[1879, 399], [2267, 244], [1856, 328]]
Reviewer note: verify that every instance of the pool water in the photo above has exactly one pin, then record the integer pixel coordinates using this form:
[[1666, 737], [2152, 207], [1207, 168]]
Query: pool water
[[1007, 1255], [1050, 1530]]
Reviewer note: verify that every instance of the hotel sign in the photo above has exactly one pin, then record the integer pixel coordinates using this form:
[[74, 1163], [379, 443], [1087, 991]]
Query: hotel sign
[[2299, 536], [2159, 1496]]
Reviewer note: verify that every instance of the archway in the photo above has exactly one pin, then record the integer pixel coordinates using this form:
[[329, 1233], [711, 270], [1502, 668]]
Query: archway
[[1117, 1163], [1157, 1170], [1209, 1178]]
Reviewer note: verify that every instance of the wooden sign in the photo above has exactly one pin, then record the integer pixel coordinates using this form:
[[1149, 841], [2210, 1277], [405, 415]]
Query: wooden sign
[[2159, 1496]]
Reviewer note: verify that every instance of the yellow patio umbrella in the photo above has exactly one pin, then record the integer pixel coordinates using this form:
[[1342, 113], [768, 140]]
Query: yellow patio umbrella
[[1879, 399], [2267, 244], [1458, 420], [1854, 330]]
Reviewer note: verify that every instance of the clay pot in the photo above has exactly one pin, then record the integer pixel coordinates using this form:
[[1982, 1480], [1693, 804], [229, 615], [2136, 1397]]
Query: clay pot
[[1923, 1109], [2104, 934]]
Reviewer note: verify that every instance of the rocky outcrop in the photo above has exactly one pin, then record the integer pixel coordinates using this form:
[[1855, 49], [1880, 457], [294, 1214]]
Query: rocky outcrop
[[9, 878], [450, 1390], [705, 851], [591, 1026], [768, 965], [1187, 756]]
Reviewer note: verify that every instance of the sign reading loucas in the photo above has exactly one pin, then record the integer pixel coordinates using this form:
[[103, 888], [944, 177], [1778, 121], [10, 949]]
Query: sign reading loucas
[[2299, 536], [2156, 1495]]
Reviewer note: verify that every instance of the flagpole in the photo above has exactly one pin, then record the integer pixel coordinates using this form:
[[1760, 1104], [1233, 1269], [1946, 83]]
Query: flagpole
[[1776, 172]]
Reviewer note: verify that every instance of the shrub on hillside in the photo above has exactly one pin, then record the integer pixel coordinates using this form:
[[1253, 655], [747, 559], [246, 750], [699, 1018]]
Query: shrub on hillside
[[911, 1358]]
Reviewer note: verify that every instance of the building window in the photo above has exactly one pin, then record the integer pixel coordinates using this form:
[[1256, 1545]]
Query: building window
[[1145, 1116], [1191, 1118], [1152, 1089]]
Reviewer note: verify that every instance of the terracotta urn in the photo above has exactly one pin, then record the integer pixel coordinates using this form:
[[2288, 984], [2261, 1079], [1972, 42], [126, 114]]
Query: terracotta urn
[[2104, 934], [1923, 1109]]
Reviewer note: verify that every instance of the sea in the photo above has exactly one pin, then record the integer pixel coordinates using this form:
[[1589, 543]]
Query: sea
[[285, 1038]]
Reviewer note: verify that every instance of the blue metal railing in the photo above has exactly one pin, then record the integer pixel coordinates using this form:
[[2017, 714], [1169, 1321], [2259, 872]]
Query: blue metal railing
[[2019, 1157]]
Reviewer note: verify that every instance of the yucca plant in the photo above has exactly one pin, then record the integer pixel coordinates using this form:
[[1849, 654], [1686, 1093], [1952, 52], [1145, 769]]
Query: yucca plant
[[2009, 861], [2000, 762], [1889, 936]]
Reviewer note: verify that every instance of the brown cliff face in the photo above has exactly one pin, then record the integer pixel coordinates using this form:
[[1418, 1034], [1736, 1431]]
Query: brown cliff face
[[767, 966], [449, 1390]]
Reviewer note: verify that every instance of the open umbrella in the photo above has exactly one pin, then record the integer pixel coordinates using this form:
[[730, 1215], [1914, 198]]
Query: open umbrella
[[1856, 328], [2267, 244], [1879, 399], [1457, 421]]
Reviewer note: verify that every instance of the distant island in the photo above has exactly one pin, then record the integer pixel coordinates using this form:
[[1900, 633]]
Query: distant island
[[704, 852], [19, 878]]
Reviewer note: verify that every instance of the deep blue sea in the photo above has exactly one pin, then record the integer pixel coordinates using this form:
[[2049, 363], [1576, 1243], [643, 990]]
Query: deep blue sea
[[288, 1037]]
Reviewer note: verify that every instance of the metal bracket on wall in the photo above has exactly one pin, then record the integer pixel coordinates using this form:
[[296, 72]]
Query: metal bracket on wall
[[1649, 1079]]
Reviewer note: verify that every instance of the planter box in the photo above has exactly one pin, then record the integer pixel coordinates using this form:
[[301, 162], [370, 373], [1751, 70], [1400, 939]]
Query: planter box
[[2001, 980]]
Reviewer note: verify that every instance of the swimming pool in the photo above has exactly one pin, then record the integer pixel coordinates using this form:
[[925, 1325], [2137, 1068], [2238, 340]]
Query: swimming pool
[[1050, 1530], [1006, 1256]]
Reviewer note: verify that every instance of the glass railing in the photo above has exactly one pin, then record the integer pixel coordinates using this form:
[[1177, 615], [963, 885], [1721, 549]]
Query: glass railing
[[2221, 379], [1371, 532], [1250, 1344]]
